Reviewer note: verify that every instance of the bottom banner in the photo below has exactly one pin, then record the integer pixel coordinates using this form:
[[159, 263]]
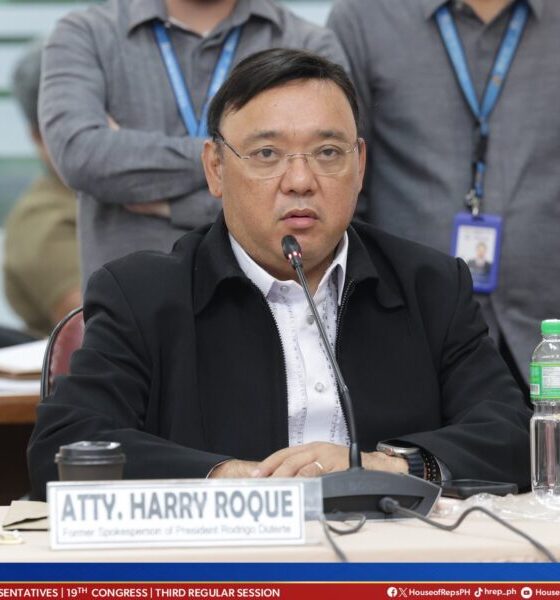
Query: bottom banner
[[286, 591]]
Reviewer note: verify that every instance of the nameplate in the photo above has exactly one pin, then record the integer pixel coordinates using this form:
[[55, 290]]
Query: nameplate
[[148, 513]]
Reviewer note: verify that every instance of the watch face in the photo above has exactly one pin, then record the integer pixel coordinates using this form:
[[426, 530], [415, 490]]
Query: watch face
[[396, 450]]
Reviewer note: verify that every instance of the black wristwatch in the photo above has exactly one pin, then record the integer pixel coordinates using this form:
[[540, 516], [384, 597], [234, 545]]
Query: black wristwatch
[[412, 455]]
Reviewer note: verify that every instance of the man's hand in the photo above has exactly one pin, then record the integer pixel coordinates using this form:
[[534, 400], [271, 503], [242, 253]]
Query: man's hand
[[233, 468], [158, 208], [112, 123], [318, 458], [307, 460], [378, 461]]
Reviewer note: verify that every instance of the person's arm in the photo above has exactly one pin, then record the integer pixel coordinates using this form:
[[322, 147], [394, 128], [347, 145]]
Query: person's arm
[[107, 397], [53, 274], [42, 253], [121, 165], [485, 421]]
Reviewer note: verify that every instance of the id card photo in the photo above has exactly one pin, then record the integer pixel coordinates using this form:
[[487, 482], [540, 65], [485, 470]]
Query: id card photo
[[477, 241]]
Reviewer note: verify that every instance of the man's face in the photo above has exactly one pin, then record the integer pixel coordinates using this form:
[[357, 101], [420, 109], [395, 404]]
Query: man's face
[[301, 116], [481, 250]]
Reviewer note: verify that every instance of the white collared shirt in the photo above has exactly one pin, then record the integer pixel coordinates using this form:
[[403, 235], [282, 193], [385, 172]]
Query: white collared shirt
[[314, 412]]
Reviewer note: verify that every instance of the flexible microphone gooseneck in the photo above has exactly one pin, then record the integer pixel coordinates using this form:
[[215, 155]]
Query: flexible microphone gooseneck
[[357, 490], [292, 251]]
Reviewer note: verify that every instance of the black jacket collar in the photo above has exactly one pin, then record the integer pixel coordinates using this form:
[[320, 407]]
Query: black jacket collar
[[215, 263]]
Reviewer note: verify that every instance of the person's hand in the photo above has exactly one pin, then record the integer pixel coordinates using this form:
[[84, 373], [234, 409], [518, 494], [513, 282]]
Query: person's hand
[[307, 460], [233, 468], [159, 208], [112, 123], [378, 461], [318, 458]]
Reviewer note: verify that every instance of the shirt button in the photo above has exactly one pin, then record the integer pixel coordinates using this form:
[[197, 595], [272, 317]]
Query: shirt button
[[310, 319], [319, 387], [284, 288]]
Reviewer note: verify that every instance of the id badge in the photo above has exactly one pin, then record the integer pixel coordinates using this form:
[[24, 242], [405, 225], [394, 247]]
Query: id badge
[[477, 240]]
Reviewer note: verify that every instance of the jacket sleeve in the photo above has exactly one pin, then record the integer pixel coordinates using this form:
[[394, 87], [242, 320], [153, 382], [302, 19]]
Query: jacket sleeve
[[107, 397], [123, 166], [485, 433]]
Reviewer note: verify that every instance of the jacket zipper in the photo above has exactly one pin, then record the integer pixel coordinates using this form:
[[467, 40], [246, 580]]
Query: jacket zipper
[[341, 311], [346, 294]]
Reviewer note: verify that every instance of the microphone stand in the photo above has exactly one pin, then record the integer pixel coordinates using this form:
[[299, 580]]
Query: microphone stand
[[357, 490]]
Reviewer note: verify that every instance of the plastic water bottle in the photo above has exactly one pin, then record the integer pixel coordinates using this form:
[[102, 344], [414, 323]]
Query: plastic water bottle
[[545, 423]]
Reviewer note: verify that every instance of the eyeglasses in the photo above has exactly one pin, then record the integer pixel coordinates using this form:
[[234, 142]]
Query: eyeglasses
[[268, 162]]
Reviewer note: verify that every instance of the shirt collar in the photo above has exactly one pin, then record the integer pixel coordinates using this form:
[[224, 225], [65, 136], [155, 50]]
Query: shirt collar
[[429, 7], [265, 281], [216, 265], [245, 9], [142, 11], [537, 6]]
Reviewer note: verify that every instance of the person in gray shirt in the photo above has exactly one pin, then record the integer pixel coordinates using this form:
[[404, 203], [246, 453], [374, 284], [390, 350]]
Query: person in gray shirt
[[420, 132], [110, 116]]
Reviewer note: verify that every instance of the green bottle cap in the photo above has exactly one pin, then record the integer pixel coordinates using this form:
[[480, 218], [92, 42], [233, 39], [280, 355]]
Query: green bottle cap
[[550, 327]]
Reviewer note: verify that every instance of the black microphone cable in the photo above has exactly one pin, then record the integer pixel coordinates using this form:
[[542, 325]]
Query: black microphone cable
[[328, 527], [391, 506], [292, 251]]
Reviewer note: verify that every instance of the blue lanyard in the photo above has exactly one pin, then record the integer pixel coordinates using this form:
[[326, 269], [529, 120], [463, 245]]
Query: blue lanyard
[[495, 84], [195, 127]]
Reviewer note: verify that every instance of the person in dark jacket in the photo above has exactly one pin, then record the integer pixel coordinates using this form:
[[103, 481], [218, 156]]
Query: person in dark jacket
[[206, 362]]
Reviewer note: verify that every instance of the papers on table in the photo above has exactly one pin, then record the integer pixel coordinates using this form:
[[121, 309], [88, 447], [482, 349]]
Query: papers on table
[[20, 368], [22, 360], [27, 514], [20, 387]]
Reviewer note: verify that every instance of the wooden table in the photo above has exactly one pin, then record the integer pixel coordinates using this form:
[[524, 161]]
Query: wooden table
[[479, 539], [17, 417], [18, 409]]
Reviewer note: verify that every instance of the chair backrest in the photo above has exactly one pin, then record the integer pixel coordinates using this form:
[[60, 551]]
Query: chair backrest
[[66, 337]]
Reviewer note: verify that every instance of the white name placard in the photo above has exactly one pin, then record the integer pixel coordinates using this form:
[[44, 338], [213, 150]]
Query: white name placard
[[142, 513]]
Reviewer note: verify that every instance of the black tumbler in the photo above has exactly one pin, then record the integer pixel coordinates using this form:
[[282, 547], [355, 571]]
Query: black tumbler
[[87, 461]]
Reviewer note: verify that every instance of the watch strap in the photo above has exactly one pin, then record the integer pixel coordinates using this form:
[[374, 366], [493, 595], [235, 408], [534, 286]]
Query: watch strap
[[416, 465], [432, 471], [421, 463]]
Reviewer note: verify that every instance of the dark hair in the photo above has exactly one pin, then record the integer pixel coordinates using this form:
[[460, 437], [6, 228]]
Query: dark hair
[[273, 68], [25, 82]]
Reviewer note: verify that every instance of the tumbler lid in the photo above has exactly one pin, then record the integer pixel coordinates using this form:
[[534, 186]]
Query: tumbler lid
[[91, 453]]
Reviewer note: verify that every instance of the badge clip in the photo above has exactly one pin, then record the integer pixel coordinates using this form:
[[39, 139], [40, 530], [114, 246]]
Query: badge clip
[[472, 202]]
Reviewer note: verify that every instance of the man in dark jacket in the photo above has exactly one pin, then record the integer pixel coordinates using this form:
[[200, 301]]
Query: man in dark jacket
[[206, 362]]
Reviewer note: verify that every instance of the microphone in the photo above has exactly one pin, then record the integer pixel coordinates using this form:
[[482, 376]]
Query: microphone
[[292, 251], [357, 490]]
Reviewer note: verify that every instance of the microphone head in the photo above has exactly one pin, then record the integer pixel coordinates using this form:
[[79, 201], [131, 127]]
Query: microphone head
[[292, 250]]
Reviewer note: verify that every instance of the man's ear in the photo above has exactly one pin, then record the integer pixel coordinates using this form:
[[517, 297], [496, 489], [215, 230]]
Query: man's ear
[[362, 159], [212, 163]]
